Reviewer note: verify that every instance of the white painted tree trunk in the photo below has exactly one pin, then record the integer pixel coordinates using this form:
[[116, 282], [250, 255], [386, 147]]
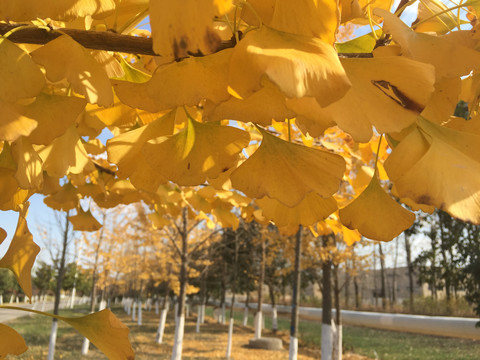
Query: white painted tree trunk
[[327, 342], [53, 340], [139, 322], [85, 345], [274, 319], [72, 299], [202, 314], [156, 308], [199, 316], [11, 299], [245, 316], [44, 304], [134, 311], [1, 299], [337, 342], [161, 326], [230, 339], [222, 319], [293, 348], [178, 340], [258, 325]]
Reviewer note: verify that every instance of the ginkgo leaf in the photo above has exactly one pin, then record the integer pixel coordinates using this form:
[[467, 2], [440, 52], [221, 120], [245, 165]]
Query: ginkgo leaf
[[288, 171], [29, 172], [260, 108], [313, 208], [197, 152], [11, 342], [179, 84], [21, 78], [440, 24], [21, 254], [54, 9], [13, 124], [84, 221], [437, 166], [119, 115], [443, 101], [65, 155], [125, 149], [225, 217], [450, 58], [258, 12], [8, 184], [180, 29], [299, 65], [54, 115], [313, 18], [94, 147], [349, 10], [3, 235], [64, 58], [376, 215]]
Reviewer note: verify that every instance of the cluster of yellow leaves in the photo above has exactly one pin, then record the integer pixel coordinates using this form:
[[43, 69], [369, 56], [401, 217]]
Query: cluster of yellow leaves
[[277, 116]]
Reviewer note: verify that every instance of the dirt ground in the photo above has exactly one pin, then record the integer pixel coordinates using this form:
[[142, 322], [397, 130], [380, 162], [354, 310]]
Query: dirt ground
[[211, 343]]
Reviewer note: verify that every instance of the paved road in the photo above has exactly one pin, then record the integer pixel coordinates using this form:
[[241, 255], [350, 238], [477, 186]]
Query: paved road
[[9, 314]]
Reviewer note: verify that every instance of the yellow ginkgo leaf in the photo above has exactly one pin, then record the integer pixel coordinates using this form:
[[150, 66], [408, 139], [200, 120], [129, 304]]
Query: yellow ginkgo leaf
[[312, 209], [443, 101], [288, 172], [181, 83], [158, 220], [29, 164], [349, 10], [438, 166], [11, 342], [54, 115], [8, 167], [124, 150], [258, 12], [21, 254], [197, 201], [260, 108], [225, 217], [21, 78], [84, 221], [376, 215], [197, 152], [350, 237], [65, 155], [316, 18], [17, 200], [180, 29], [299, 65], [94, 147], [54, 9], [3, 235], [450, 57], [119, 115], [13, 124], [440, 24], [64, 58]]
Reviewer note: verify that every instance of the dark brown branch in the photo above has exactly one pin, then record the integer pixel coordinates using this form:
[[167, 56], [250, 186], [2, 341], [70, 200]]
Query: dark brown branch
[[104, 40]]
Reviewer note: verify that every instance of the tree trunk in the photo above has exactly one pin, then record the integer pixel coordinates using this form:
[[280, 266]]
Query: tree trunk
[[337, 333], [382, 277], [58, 289], [295, 298], [327, 336], [347, 285], [408, 250], [163, 318], [234, 289], [245, 312], [394, 277], [180, 315], [274, 308], [93, 293], [258, 315]]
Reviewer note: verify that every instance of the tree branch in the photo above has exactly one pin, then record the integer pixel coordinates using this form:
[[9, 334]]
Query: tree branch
[[104, 40]]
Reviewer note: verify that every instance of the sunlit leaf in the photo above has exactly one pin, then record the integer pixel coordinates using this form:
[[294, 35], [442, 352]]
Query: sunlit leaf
[[54, 114], [197, 152], [13, 124], [376, 215], [64, 58], [299, 65], [84, 221], [29, 164], [21, 254], [311, 209], [449, 57], [11, 342], [179, 84], [288, 171], [180, 29], [438, 166], [440, 24], [21, 78]]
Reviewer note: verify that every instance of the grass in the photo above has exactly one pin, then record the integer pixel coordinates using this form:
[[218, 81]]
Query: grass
[[210, 343], [382, 344]]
